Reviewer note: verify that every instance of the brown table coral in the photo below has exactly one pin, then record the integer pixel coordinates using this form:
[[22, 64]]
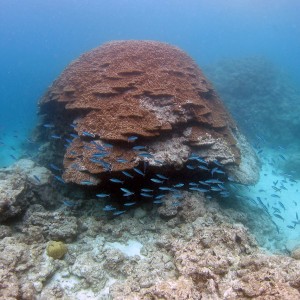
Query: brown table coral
[[140, 93]]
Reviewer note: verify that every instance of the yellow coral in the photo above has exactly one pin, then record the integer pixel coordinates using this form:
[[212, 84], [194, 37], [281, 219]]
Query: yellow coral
[[56, 250]]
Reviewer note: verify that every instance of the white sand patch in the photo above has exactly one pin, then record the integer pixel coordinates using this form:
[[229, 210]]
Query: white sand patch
[[131, 248], [279, 192]]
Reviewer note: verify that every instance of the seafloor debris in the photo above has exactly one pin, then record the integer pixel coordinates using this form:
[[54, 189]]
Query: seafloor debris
[[131, 105]]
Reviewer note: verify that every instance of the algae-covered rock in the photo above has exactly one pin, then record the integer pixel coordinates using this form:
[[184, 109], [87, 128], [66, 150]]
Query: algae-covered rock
[[56, 250]]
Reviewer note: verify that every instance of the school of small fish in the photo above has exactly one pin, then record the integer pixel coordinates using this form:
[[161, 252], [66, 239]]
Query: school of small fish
[[207, 178], [275, 194]]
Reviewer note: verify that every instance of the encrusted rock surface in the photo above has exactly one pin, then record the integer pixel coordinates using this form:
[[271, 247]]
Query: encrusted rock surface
[[196, 251], [146, 89]]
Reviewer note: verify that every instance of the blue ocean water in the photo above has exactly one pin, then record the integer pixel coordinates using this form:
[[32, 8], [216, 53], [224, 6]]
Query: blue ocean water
[[38, 39]]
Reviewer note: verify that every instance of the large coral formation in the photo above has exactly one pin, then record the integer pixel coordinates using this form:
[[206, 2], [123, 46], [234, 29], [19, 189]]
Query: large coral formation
[[146, 89]]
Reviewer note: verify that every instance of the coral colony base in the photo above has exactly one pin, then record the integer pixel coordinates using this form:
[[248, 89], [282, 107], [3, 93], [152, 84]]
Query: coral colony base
[[138, 190]]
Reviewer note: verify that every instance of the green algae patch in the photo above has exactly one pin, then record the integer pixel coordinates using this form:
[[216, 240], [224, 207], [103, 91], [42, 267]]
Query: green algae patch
[[56, 250]]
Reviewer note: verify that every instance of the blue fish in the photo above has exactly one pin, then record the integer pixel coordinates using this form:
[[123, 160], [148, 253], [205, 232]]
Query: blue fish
[[219, 171], [49, 125], [126, 191], [225, 194], [201, 160], [198, 189], [119, 212], [86, 182], [108, 208], [158, 161], [178, 185], [96, 161], [146, 155], [102, 195], [190, 167], [158, 201], [279, 217], [193, 156], [156, 180], [216, 162], [115, 180], [204, 183], [132, 138], [106, 145], [127, 174], [137, 148], [99, 147], [86, 133], [213, 171], [146, 190], [36, 178], [70, 203], [121, 160], [214, 181], [283, 187], [146, 195], [73, 135], [129, 203], [230, 179], [281, 204], [216, 189], [100, 154], [87, 147], [138, 171], [203, 168], [58, 178], [162, 176], [127, 194], [177, 196], [27, 139], [275, 196], [165, 188], [55, 136]]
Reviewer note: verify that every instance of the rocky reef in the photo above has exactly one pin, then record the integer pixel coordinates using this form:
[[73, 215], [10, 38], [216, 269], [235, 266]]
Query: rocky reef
[[196, 249], [262, 98], [128, 103]]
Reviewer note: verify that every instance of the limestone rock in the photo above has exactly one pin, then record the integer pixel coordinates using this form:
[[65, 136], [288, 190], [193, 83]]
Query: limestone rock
[[22, 184], [13, 189]]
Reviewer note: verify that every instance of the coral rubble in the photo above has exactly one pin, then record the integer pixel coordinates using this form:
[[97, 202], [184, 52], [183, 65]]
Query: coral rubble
[[145, 90]]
